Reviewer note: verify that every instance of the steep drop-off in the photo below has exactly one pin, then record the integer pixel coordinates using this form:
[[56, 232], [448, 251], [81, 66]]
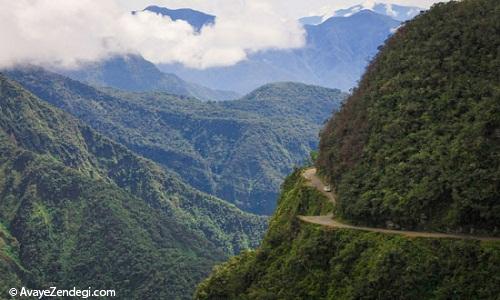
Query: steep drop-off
[[301, 261], [77, 209], [417, 144]]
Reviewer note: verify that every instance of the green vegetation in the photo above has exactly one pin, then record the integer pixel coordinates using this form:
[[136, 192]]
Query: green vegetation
[[134, 73], [237, 150], [313, 156], [418, 143], [301, 261], [88, 212], [12, 273], [289, 101]]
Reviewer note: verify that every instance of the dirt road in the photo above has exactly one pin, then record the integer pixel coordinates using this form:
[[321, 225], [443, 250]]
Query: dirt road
[[329, 221]]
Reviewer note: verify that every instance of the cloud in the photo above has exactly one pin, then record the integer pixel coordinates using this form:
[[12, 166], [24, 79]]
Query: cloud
[[369, 4], [66, 33]]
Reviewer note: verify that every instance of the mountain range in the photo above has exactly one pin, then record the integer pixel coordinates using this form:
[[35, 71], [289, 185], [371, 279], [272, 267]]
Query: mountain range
[[134, 73], [337, 50], [335, 55], [77, 209], [395, 11], [121, 176], [239, 150]]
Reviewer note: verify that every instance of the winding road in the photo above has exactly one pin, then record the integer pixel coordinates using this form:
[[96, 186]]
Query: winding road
[[329, 221]]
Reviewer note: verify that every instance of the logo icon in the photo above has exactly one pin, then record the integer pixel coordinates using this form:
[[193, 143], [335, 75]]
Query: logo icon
[[13, 292]]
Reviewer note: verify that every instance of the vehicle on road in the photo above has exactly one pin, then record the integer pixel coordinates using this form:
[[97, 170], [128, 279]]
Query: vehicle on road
[[327, 188]]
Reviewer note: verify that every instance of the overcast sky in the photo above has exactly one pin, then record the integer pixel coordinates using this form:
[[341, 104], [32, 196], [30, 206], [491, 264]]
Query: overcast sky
[[67, 33]]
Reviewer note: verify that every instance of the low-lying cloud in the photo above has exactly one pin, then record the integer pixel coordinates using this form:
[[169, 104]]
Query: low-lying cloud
[[67, 33]]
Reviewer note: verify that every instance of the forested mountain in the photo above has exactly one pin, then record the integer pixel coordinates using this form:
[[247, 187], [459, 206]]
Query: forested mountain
[[301, 261], [238, 150], [289, 100], [134, 73], [335, 55], [418, 143], [77, 209], [416, 146]]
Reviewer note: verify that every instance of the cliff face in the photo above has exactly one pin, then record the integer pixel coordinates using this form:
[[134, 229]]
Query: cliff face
[[301, 261], [417, 143]]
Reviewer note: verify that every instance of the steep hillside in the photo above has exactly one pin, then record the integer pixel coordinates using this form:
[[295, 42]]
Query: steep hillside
[[64, 188], [13, 274], [417, 146], [418, 143], [301, 261], [335, 55], [134, 73], [236, 150]]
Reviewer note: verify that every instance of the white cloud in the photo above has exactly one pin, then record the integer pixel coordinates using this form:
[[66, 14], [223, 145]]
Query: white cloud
[[369, 4], [390, 11], [68, 32]]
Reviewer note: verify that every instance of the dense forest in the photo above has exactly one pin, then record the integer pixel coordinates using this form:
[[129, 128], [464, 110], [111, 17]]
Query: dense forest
[[77, 209], [126, 189], [418, 143], [302, 261], [214, 146]]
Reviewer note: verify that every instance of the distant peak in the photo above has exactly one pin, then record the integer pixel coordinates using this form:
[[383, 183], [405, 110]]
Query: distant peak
[[162, 9], [154, 7], [195, 18], [395, 11]]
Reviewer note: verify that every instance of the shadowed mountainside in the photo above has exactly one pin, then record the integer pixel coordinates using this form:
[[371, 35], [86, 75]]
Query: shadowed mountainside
[[238, 150], [80, 210], [134, 73]]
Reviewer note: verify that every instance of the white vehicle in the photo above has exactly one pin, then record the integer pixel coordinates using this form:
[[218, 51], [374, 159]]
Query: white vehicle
[[327, 188]]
